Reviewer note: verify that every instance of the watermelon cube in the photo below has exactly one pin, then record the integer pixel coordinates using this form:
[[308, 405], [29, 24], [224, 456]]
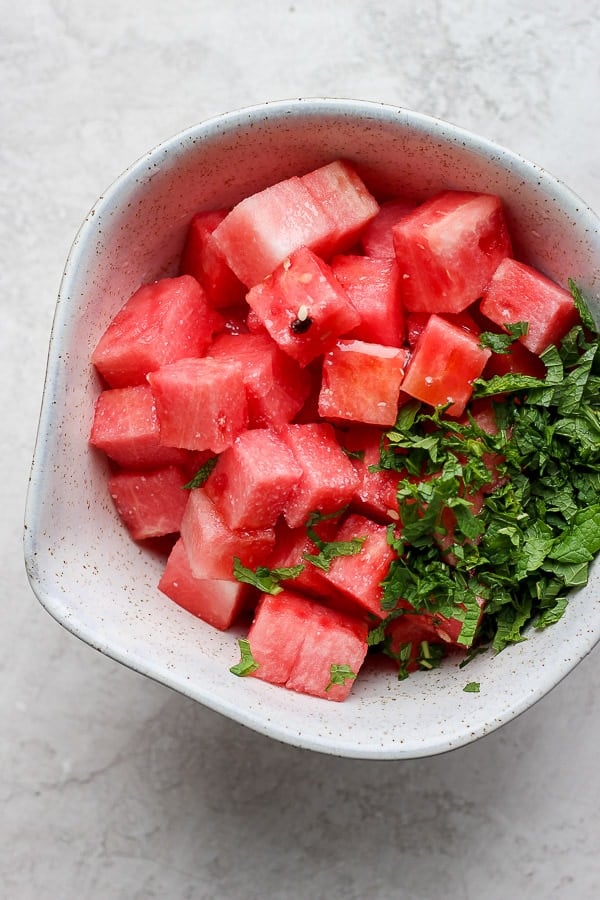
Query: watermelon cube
[[276, 386], [253, 479], [346, 201], [416, 322], [373, 287], [377, 239], [361, 382], [328, 478], [445, 363], [448, 248], [160, 323], [518, 293], [303, 306], [201, 403], [126, 428], [376, 492], [265, 228], [517, 360], [219, 602], [303, 645], [211, 544], [359, 577], [203, 259], [150, 503], [290, 547]]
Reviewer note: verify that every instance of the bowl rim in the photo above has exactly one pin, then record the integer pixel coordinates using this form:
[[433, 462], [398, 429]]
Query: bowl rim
[[50, 597]]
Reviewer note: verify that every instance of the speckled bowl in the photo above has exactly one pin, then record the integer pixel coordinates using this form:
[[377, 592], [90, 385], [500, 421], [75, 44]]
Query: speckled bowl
[[102, 587]]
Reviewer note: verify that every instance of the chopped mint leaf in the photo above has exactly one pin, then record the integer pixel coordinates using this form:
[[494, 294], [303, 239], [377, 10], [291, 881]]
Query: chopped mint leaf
[[582, 307], [329, 550], [202, 474], [501, 343], [265, 579], [339, 674], [247, 663], [472, 687], [353, 454], [505, 384]]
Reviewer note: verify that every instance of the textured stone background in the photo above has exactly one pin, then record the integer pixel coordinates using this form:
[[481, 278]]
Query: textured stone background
[[112, 786]]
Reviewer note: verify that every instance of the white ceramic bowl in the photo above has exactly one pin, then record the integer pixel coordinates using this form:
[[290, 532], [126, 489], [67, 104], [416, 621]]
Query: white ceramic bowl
[[102, 587]]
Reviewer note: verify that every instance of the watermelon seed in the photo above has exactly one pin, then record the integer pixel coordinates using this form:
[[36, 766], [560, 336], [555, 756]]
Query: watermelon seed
[[302, 322]]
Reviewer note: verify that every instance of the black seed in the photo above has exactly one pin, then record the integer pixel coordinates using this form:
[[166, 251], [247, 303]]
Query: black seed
[[301, 326]]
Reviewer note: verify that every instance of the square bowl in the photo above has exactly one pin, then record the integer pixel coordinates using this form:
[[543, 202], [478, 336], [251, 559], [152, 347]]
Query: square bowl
[[102, 587]]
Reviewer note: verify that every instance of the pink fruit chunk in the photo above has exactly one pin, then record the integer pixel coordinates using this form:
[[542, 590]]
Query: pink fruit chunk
[[328, 478], [276, 386], [151, 504], [445, 363], [447, 250], [253, 479], [361, 382], [347, 203], [518, 293], [211, 544], [359, 577], [303, 306], [290, 548], [126, 428], [219, 602], [201, 403], [303, 645], [265, 228], [375, 494], [373, 287], [203, 259], [377, 240], [160, 323]]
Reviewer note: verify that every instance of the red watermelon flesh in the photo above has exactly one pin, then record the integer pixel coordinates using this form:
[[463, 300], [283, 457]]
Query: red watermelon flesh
[[276, 386], [218, 602], [303, 306], [126, 428], [328, 478], [519, 293], [361, 383], [373, 287], [203, 259], [265, 228], [447, 250], [445, 363], [346, 201], [150, 503], [359, 577], [253, 479], [377, 239], [211, 544], [295, 643], [160, 323], [201, 403]]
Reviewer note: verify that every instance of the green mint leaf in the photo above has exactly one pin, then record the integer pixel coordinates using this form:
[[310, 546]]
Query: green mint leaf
[[354, 454], [580, 542], [339, 674], [582, 307], [551, 615], [202, 474], [330, 550], [247, 663], [472, 687], [505, 384], [266, 580], [501, 343]]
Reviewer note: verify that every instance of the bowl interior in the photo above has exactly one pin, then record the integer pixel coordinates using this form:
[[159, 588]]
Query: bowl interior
[[82, 565]]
